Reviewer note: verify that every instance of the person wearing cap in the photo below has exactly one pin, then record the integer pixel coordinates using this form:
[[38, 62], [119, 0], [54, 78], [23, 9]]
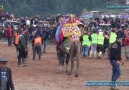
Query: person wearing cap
[[115, 60], [6, 82]]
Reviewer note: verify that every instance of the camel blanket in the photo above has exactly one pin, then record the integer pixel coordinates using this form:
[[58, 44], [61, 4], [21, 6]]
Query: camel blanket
[[71, 31]]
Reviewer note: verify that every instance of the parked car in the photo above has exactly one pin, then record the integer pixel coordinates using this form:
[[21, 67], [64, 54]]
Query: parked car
[[11, 22]]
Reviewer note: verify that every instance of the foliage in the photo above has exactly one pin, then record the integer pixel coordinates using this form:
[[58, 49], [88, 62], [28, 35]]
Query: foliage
[[51, 7]]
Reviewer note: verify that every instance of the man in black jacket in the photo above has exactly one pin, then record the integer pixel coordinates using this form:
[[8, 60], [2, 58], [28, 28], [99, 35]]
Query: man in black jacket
[[22, 48], [115, 59], [6, 82]]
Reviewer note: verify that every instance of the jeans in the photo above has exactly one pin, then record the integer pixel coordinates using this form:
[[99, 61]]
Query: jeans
[[116, 72], [85, 50], [21, 56], [93, 50], [10, 41], [44, 46]]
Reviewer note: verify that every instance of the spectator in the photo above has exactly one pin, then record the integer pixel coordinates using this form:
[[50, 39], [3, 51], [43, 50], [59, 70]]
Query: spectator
[[6, 82], [9, 34], [126, 43]]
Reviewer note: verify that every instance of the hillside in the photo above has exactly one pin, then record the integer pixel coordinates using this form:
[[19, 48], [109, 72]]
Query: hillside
[[51, 7]]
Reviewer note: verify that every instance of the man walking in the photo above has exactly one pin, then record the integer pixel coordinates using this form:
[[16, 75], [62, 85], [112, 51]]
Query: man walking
[[115, 59], [37, 46]]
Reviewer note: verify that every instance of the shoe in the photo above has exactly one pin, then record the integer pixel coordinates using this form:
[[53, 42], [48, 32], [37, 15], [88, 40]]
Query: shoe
[[98, 57], [89, 57], [20, 65], [39, 58], [25, 64], [114, 88]]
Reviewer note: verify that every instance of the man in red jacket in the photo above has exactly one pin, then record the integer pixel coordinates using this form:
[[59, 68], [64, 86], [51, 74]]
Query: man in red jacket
[[9, 34], [126, 43]]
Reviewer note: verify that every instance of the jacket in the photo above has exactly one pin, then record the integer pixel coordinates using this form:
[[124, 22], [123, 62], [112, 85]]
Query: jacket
[[9, 32], [22, 43], [10, 85], [115, 51]]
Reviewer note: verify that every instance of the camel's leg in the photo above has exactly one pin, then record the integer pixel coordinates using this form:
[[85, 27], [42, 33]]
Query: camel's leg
[[60, 64], [72, 65], [77, 64], [77, 60], [67, 62]]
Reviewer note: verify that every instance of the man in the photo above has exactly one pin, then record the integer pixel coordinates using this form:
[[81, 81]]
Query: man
[[112, 39], [115, 59], [9, 34], [94, 38], [100, 42], [45, 35], [6, 82], [22, 48], [106, 43], [15, 40], [37, 46], [126, 44], [86, 45]]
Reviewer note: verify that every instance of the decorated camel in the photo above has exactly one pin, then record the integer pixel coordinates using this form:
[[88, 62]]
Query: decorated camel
[[68, 39]]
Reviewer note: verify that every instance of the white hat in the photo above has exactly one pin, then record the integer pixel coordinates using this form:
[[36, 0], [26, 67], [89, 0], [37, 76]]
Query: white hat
[[34, 25], [100, 30], [100, 33]]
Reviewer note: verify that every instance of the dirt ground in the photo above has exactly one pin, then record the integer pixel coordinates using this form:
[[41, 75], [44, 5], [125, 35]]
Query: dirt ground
[[41, 74]]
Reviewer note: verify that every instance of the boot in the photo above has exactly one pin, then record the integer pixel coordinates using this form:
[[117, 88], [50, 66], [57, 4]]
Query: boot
[[90, 56], [24, 61], [100, 54], [19, 62], [95, 54]]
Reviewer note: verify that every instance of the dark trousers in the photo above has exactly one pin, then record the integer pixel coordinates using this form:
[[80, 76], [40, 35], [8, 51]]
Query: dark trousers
[[99, 47], [116, 72], [104, 49], [44, 46], [37, 48], [62, 58], [21, 56], [10, 41], [109, 47]]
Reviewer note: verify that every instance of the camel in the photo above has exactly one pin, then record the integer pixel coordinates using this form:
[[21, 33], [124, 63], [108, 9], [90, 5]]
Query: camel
[[72, 55]]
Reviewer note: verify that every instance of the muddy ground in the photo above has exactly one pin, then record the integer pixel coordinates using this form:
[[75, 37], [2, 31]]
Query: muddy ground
[[41, 74]]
